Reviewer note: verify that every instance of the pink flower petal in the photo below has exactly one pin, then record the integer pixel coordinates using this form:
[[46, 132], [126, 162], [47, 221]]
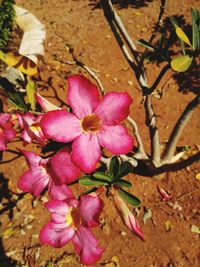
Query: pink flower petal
[[9, 133], [57, 206], [26, 119], [60, 125], [114, 108], [116, 139], [32, 159], [59, 192], [33, 182], [45, 104], [90, 208], [164, 194], [86, 152], [87, 246], [63, 169], [56, 235], [2, 141], [83, 96], [4, 117]]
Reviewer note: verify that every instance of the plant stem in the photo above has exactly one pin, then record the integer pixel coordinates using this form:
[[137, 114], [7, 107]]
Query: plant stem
[[154, 136], [178, 129]]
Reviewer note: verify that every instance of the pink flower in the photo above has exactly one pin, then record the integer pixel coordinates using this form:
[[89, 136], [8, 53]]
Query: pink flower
[[164, 194], [71, 220], [45, 104], [54, 173], [6, 131], [32, 130], [93, 124], [127, 216]]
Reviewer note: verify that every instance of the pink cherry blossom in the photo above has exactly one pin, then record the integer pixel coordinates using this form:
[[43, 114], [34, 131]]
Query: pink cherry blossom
[[31, 128], [71, 220], [93, 124], [6, 130], [54, 173], [127, 216]]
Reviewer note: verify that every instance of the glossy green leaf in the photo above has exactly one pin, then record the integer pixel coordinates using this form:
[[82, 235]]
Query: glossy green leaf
[[195, 29], [125, 168], [102, 175], [146, 45], [123, 183], [131, 199], [182, 35], [31, 89], [88, 180], [182, 63], [114, 167]]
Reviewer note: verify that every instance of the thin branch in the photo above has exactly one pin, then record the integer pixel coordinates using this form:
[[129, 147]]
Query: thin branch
[[109, 10], [159, 78], [154, 136], [85, 67], [178, 129], [141, 152]]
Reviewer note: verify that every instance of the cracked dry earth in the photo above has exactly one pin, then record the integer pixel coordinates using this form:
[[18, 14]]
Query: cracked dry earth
[[81, 25]]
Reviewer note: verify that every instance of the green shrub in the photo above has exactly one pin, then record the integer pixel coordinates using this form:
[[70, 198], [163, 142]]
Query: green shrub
[[7, 14]]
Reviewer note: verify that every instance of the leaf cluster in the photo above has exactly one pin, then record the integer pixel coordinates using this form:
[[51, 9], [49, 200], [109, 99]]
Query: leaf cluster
[[113, 178], [7, 15]]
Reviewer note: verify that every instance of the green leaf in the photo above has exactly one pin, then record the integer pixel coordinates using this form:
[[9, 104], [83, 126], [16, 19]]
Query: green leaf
[[131, 199], [146, 45], [17, 100], [182, 63], [182, 35], [88, 180], [102, 175], [125, 168], [175, 24], [31, 89], [114, 167], [123, 183], [195, 29]]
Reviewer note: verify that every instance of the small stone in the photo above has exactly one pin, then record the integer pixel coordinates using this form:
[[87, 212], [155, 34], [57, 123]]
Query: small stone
[[123, 233], [130, 82], [22, 232]]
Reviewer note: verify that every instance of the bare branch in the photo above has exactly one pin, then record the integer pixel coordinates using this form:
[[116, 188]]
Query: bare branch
[[178, 129], [141, 152]]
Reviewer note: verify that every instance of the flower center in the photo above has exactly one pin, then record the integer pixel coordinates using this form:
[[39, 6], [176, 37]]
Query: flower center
[[73, 218], [91, 123]]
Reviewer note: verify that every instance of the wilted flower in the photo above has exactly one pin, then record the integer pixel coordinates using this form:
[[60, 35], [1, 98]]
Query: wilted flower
[[6, 130], [164, 194], [54, 173], [71, 220], [93, 124]]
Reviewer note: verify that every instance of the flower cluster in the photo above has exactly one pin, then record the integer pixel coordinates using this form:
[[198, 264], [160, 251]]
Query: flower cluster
[[92, 124]]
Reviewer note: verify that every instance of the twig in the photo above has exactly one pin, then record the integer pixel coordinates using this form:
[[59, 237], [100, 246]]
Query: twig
[[85, 67], [158, 79], [178, 129], [141, 152]]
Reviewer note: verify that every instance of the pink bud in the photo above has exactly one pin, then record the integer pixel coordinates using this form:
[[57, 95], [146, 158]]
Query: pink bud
[[127, 217]]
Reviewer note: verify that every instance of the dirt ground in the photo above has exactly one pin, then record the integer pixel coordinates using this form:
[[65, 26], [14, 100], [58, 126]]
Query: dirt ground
[[81, 25]]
